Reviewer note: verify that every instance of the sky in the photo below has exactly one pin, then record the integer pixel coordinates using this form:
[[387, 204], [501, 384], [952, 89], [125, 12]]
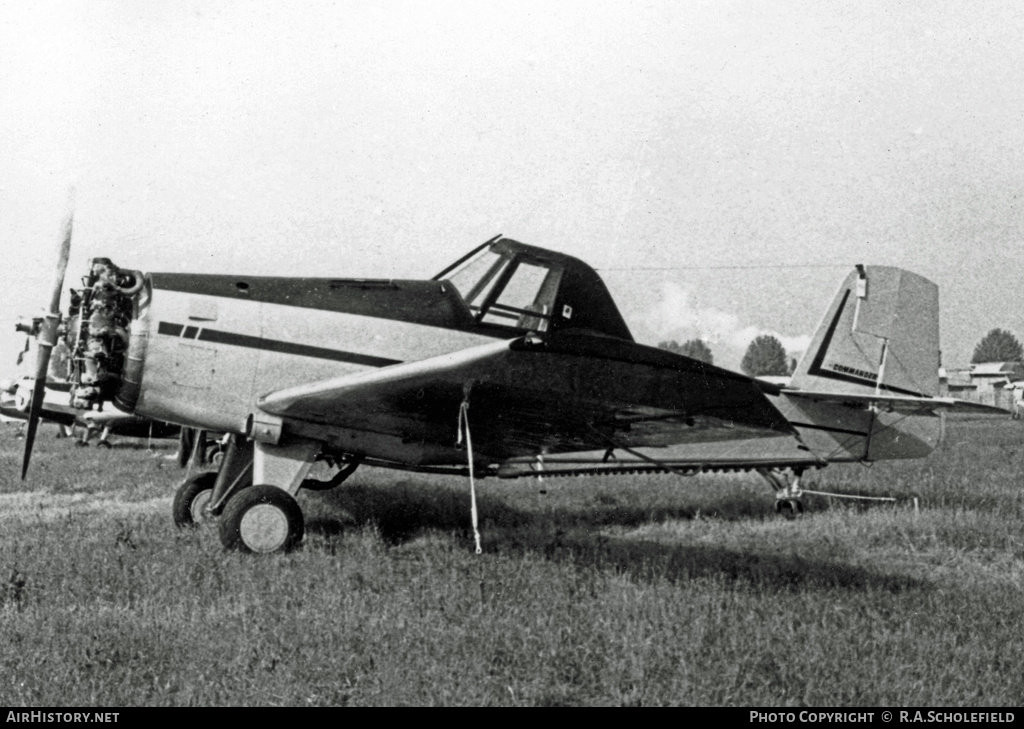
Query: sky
[[722, 164]]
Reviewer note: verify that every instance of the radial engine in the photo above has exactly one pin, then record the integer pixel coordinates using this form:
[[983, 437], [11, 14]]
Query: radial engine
[[97, 332]]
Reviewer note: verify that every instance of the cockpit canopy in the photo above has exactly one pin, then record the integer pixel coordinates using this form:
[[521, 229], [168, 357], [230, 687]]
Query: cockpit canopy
[[512, 285]]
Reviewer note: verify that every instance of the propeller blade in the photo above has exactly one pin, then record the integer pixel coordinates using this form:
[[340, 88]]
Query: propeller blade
[[33, 424], [63, 253], [46, 341]]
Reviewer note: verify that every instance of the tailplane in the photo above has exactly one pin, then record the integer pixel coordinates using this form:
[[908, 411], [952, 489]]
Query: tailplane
[[879, 337], [867, 388]]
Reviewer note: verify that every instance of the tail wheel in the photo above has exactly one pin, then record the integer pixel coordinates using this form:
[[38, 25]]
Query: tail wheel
[[261, 519], [789, 508], [191, 499]]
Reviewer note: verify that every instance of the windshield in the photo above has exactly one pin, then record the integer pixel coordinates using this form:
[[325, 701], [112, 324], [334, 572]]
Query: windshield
[[476, 279], [509, 291], [526, 299]]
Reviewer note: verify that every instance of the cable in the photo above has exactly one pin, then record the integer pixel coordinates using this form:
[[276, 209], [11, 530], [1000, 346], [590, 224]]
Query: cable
[[849, 496], [464, 425], [717, 268]]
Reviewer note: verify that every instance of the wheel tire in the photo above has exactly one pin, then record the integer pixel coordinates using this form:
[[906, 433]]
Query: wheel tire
[[261, 519], [789, 508], [190, 499]]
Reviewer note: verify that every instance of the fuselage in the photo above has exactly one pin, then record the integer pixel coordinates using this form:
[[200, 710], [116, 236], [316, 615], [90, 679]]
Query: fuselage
[[201, 351], [212, 349]]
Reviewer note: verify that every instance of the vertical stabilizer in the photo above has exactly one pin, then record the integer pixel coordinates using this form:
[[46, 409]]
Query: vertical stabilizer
[[880, 335]]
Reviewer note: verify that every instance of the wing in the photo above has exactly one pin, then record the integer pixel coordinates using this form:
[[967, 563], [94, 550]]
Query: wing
[[64, 415], [532, 395], [900, 403], [14, 403]]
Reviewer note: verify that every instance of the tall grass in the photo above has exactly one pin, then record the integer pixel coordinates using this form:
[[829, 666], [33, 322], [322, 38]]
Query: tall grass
[[599, 591]]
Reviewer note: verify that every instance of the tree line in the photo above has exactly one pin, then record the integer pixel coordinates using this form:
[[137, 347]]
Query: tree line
[[998, 345], [765, 356]]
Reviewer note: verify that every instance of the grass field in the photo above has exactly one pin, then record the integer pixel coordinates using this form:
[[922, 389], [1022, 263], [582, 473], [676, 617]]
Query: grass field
[[602, 591]]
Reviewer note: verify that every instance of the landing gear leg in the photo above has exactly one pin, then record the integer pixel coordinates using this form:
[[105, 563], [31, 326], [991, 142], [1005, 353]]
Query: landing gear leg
[[203, 496], [234, 474], [787, 491], [83, 439], [266, 518]]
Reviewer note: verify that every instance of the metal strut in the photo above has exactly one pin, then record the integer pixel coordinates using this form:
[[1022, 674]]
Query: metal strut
[[610, 454], [464, 427], [783, 487]]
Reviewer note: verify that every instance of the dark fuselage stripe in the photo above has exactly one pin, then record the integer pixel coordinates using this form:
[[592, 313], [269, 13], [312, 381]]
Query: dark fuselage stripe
[[272, 345]]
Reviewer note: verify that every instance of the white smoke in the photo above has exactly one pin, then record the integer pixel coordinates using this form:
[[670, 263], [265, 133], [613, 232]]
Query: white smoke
[[678, 317]]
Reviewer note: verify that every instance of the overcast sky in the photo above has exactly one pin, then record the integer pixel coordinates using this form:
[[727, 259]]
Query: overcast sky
[[676, 146]]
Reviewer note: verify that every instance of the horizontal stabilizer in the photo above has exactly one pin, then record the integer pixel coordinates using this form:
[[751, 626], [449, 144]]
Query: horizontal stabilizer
[[900, 403]]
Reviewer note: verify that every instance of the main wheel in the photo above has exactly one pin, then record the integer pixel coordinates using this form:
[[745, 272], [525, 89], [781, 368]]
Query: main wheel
[[191, 499], [261, 519]]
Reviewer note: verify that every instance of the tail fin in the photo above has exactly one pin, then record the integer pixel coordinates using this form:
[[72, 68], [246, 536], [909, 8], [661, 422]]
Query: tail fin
[[879, 336]]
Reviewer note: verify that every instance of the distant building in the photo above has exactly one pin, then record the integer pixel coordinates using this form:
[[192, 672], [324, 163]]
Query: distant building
[[956, 383], [991, 383], [991, 376]]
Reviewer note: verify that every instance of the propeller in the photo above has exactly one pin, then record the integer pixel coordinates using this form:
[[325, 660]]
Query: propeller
[[47, 339]]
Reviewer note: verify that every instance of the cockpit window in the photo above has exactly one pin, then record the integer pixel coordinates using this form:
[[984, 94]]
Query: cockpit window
[[527, 298], [476, 279], [510, 291]]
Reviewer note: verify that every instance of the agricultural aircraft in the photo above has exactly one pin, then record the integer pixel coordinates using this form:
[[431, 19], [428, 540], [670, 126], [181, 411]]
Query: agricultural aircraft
[[514, 361]]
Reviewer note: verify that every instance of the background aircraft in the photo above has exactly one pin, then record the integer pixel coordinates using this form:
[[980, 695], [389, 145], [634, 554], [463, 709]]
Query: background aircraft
[[511, 362], [16, 398]]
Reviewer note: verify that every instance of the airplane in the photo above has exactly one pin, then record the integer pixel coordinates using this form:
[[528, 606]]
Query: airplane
[[16, 397], [514, 361]]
